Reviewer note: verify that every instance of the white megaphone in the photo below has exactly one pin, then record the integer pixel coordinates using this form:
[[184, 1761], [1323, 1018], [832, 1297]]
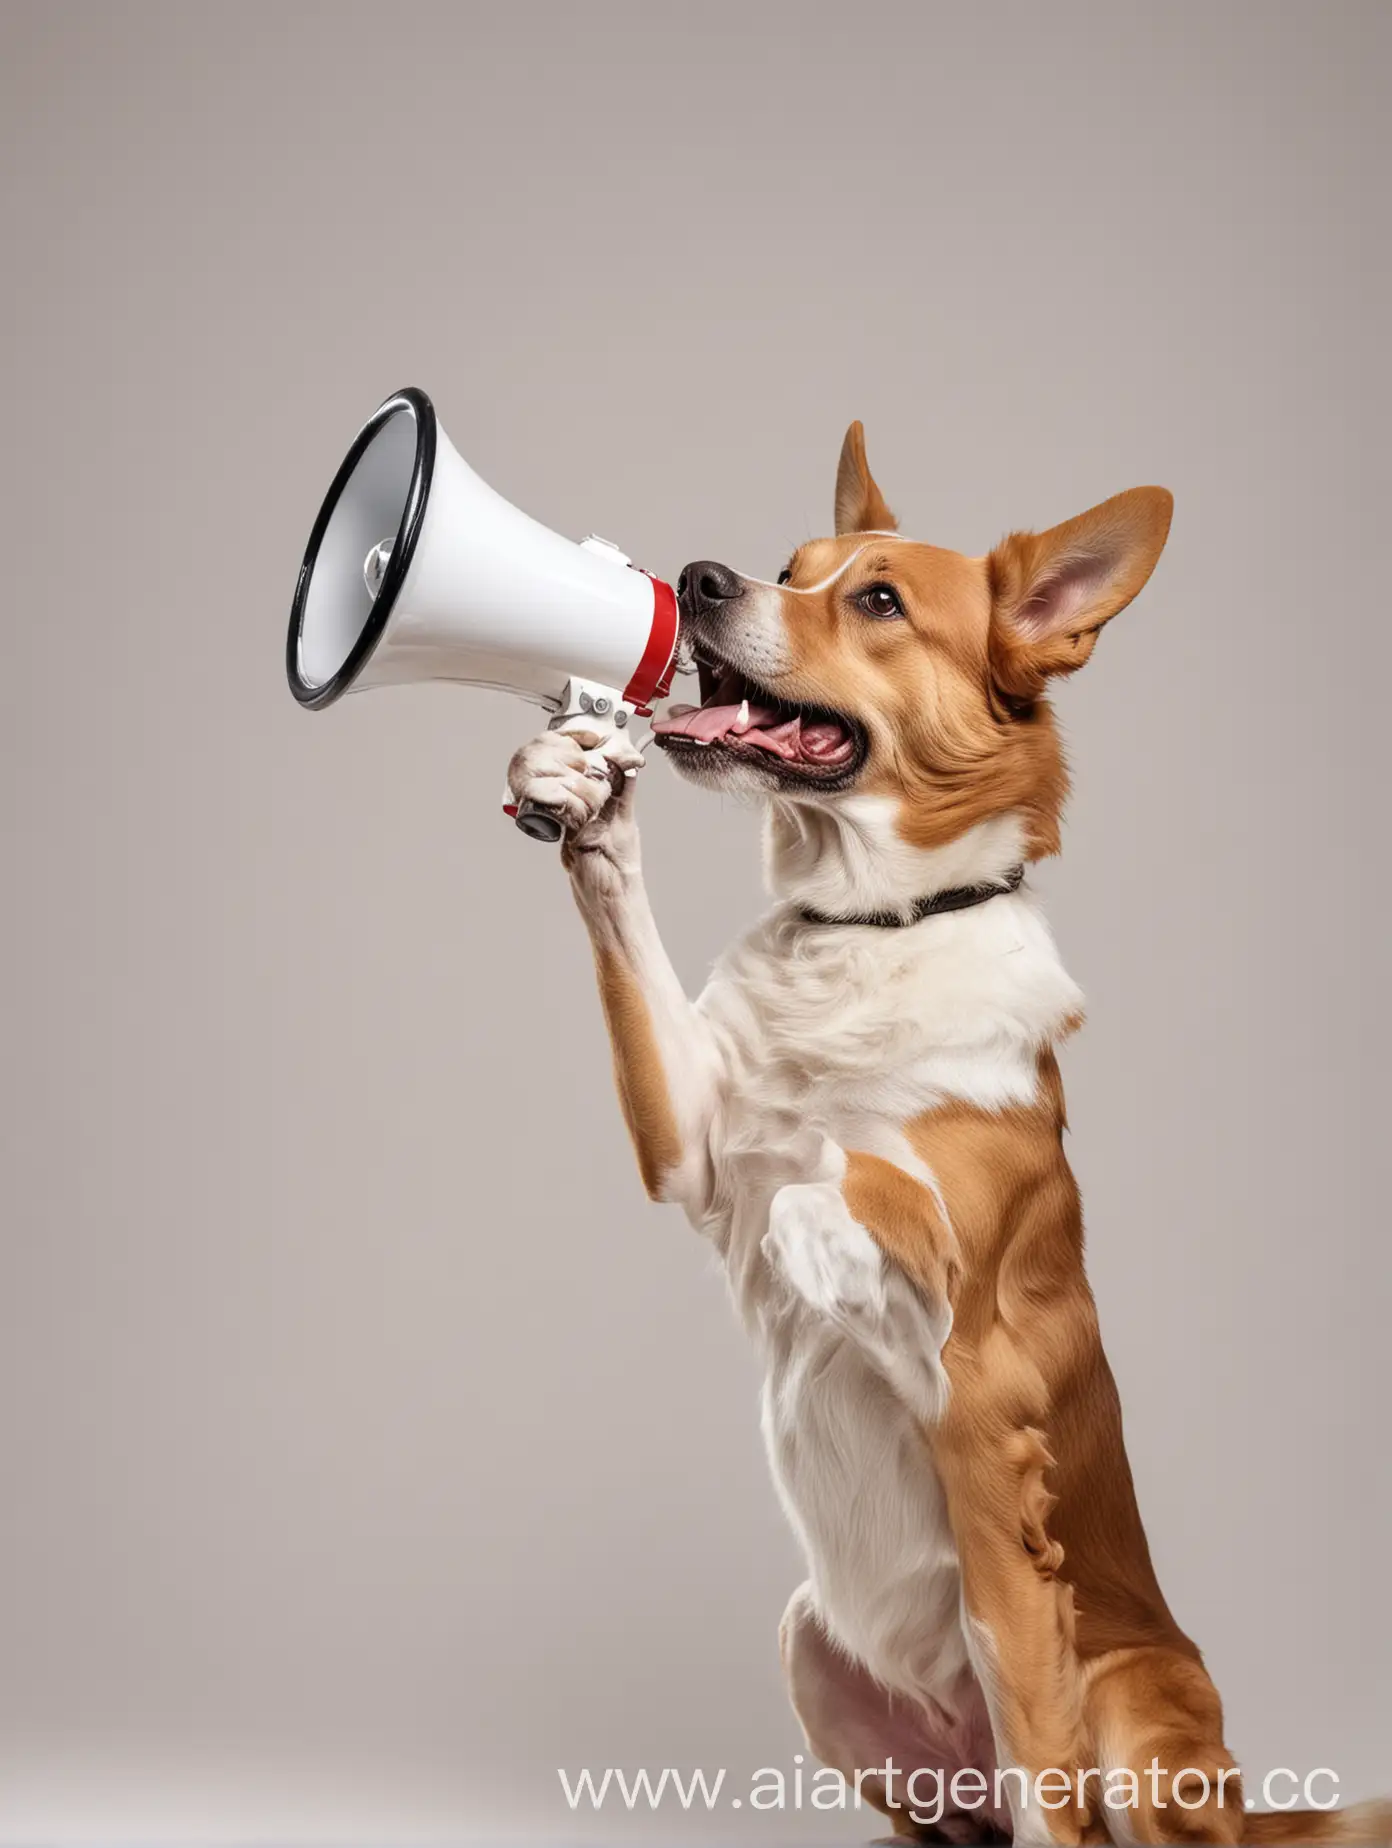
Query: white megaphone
[[417, 570]]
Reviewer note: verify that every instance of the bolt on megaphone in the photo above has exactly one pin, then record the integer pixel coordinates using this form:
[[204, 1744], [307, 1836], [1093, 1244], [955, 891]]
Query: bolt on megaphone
[[417, 570]]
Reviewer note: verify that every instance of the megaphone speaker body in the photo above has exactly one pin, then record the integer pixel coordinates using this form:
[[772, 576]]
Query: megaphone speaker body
[[417, 570]]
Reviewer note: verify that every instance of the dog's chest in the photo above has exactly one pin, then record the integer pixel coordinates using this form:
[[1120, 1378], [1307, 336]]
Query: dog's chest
[[850, 1463], [830, 1043]]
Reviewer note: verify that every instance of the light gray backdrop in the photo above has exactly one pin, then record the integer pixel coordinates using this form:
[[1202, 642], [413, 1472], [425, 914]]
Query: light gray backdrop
[[369, 1446]]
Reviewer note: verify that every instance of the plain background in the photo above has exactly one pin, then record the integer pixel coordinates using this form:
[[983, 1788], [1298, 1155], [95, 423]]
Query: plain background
[[370, 1447]]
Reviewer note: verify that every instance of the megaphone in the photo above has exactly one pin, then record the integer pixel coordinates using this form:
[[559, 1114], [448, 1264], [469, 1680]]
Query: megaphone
[[417, 570]]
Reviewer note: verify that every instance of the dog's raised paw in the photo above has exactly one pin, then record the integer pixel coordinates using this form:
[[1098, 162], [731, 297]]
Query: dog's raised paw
[[553, 770], [824, 1254]]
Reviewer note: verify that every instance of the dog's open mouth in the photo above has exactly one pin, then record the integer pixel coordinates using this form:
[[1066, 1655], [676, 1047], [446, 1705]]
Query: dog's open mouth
[[739, 716]]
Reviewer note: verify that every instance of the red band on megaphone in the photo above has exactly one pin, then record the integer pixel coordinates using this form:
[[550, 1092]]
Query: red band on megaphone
[[653, 674]]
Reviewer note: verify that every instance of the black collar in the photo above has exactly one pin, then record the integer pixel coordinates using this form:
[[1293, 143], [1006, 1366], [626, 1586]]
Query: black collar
[[958, 898]]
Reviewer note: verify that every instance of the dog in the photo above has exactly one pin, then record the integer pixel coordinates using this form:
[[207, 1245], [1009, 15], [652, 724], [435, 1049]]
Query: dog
[[863, 1113]]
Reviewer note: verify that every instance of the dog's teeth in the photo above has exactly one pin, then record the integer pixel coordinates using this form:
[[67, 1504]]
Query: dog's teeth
[[741, 724]]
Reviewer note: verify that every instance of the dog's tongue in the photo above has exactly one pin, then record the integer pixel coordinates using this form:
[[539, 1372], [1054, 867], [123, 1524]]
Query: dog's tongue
[[795, 740], [824, 741], [711, 723]]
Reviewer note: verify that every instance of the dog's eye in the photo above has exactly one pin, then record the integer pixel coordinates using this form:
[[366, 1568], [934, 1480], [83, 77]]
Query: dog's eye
[[880, 601], [783, 576]]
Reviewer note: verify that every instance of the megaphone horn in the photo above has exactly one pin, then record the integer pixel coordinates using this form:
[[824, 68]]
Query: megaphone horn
[[417, 570]]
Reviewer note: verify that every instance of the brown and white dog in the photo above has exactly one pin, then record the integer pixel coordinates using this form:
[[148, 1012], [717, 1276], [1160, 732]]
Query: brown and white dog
[[863, 1113]]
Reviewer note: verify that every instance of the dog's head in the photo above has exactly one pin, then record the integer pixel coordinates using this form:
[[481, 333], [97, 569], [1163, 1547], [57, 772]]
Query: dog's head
[[876, 665]]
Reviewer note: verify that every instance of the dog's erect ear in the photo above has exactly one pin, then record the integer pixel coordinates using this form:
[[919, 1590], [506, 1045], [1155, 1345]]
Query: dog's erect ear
[[860, 507], [1051, 592]]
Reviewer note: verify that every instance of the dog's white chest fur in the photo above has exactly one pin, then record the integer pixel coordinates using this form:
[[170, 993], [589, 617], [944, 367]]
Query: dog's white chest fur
[[831, 1040]]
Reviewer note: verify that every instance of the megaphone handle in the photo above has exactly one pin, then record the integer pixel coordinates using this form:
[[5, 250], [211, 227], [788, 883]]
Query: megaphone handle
[[542, 823], [584, 706], [539, 823]]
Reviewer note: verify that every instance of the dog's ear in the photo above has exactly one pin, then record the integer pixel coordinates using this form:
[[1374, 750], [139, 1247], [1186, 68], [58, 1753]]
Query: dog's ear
[[860, 507], [1051, 592]]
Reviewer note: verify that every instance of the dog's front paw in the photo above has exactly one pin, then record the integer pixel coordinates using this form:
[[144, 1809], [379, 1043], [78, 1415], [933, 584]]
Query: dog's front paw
[[825, 1255], [580, 776]]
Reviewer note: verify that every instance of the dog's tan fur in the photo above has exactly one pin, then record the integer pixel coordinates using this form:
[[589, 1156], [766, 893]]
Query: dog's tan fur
[[638, 1077], [1079, 1657]]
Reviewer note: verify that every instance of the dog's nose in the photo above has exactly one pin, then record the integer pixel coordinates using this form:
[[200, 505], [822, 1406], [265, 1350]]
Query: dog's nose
[[707, 586]]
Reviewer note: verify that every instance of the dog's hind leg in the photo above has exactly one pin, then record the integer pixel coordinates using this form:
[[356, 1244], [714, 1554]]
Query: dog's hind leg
[[1157, 1723], [857, 1728]]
